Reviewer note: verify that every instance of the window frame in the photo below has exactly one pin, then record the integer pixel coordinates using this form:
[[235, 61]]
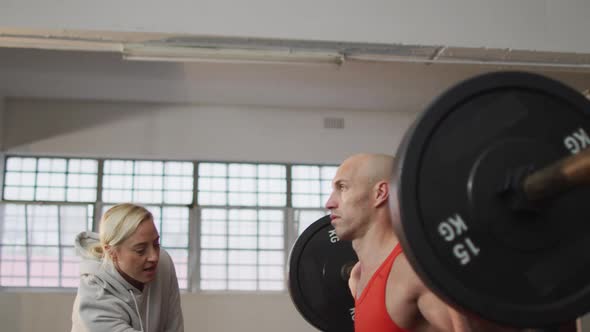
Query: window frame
[[290, 227]]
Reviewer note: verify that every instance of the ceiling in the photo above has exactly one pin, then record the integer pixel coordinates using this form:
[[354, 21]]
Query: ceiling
[[400, 85]]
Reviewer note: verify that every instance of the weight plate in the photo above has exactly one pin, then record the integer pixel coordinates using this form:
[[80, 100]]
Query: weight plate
[[526, 267], [319, 266]]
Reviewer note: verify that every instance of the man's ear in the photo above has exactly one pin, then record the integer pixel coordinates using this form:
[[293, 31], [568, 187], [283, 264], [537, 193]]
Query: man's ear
[[381, 193]]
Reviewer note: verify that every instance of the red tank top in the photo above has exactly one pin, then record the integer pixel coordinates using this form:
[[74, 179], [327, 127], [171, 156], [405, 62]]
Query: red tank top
[[370, 313]]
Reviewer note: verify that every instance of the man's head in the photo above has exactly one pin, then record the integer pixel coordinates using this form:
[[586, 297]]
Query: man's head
[[360, 190]]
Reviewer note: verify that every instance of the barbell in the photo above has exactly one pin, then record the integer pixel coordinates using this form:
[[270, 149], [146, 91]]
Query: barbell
[[490, 187]]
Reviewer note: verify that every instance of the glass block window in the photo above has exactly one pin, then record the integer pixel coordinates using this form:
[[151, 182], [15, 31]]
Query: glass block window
[[172, 225], [156, 182], [242, 208], [37, 244], [50, 179], [304, 218], [311, 185], [242, 249], [239, 184]]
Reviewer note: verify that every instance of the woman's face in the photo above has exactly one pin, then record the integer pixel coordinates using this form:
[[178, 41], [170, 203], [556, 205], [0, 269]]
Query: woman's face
[[138, 255]]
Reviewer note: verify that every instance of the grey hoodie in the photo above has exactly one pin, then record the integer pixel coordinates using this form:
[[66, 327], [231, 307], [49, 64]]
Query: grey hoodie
[[107, 302]]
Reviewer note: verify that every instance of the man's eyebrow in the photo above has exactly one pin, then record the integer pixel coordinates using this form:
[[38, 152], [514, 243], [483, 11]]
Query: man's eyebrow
[[339, 181]]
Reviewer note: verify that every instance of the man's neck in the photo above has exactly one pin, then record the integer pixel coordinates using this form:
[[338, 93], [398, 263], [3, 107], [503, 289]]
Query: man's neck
[[376, 244]]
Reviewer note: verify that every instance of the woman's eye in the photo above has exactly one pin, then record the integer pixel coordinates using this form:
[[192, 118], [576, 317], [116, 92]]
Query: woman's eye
[[140, 252]]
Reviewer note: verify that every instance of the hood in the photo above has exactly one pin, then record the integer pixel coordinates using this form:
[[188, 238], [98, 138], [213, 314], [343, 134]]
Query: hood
[[99, 273]]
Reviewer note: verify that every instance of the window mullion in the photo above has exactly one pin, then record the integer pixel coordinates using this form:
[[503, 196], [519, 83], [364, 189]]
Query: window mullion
[[194, 261], [59, 248], [27, 245]]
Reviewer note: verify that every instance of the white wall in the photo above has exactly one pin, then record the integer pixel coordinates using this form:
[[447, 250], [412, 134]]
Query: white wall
[[2, 107], [246, 134], [131, 130], [32, 312], [194, 132], [543, 25], [126, 130]]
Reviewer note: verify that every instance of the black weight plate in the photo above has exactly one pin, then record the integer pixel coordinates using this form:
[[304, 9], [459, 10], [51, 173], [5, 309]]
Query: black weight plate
[[461, 236], [318, 283]]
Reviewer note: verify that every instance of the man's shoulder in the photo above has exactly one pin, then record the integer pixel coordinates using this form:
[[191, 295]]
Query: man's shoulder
[[403, 277], [402, 293]]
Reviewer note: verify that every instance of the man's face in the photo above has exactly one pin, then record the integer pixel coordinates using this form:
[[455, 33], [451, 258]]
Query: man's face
[[349, 202], [138, 255]]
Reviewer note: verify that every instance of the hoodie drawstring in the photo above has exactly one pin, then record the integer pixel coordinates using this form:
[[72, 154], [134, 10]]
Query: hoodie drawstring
[[137, 310], [147, 317]]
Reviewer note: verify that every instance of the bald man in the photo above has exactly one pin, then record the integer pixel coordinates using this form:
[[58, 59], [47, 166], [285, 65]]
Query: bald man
[[389, 296]]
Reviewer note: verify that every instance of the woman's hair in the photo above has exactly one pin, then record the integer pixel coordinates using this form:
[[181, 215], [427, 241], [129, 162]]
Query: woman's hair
[[118, 224]]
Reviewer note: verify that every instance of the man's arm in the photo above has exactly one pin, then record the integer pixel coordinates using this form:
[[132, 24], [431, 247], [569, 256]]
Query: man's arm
[[439, 314], [445, 317], [414, 306]]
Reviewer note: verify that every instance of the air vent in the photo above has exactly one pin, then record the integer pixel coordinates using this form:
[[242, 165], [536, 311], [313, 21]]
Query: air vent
[[333, 123]]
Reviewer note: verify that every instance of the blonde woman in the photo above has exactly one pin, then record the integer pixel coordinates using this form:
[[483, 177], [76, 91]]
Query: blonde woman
[[127, 283]]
